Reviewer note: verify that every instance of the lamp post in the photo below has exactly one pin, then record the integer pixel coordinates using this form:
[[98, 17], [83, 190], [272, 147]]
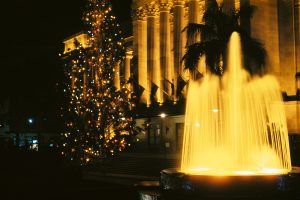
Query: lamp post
[[164, 130], [148, 129], [30, 121]]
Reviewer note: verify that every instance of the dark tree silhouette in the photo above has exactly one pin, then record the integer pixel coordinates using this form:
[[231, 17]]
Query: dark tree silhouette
[[215, 33]]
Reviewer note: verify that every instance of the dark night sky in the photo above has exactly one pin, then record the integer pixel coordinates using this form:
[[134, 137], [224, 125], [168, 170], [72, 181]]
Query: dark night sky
[[32, 32]]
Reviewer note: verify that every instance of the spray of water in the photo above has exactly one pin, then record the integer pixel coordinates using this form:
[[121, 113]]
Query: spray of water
[[235, 125]]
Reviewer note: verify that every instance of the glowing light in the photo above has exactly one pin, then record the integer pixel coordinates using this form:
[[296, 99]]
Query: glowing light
[[215, 110], [30, 120], [163, 115], [273, 171], [245, 173], [249, 136], [199, 169]]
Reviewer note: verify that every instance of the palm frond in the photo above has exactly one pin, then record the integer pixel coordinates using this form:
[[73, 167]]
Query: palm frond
[[246, 11], [215, 34], [254, 54], [212, 6], [219, 22], [213, 50], [193, 54], [207, 32], [214, 54]]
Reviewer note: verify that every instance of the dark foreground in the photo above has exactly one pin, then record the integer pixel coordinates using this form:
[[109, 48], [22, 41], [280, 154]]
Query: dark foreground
[[43, 175]]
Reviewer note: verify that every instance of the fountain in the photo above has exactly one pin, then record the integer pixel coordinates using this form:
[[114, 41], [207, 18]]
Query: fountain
[[235, 137]]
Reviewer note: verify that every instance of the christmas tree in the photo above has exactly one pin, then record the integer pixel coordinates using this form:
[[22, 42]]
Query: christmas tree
[[99, 117]]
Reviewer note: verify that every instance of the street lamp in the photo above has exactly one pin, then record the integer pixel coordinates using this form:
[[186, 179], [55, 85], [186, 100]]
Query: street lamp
[[215, 110], [164, 133], [163, 115], [30, 121]]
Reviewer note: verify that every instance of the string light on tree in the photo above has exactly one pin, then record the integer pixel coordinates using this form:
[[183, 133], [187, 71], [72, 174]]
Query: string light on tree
[[99, 121]]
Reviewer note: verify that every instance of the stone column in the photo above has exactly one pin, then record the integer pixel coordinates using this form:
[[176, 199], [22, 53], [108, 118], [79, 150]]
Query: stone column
[[244, 21], [228, 6], [287, 47], [194, 12], [128, 57], [84, 84], [154, 74], [196, 9], [202, 65], [178, 41], [297, 53], [264, 27], [73, 79], [165, 50], [194, 17], [202, 8], [117, 82], [185, 73], [237, 5], [140, 50], [297, 33]]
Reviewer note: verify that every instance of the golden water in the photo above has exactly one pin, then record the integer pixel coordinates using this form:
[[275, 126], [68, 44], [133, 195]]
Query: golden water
[[235, 125]]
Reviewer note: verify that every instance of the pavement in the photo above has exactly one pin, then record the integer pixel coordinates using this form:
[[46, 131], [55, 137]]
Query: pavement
[[42, 175], [139, 166], [37, 175]]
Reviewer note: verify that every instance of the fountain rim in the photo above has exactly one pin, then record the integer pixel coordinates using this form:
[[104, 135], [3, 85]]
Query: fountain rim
[[177, 171], [174, 183]]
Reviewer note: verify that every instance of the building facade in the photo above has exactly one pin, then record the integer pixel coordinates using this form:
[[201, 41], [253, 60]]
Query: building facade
[[155, 50], [159, 45], [20, 133]]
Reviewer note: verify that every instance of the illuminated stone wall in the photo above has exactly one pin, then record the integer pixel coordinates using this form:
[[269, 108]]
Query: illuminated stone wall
[[264, 26], [69, 42], [286, 44], [275, 24], [289, 49], [293, 116], [159, 43]]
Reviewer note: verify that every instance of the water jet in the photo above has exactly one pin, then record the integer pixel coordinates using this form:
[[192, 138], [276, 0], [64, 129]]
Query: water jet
[[235, 138]]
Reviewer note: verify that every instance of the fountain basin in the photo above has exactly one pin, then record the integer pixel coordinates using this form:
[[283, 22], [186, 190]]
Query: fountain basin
[[176, 185]]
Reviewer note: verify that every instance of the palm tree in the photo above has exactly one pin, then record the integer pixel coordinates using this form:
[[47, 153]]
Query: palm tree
[[215, 33]]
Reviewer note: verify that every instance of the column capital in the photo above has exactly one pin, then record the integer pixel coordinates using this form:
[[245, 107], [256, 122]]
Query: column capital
[[164, 7], [202, 6], [186, 12], [152, 10], [237, 5], [297, 3], [139, 14], [128, 55], [178, 3]]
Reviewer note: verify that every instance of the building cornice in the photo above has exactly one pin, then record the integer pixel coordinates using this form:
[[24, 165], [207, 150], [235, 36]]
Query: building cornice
[[139, 14], [297, 3], [152, 10], [165, 7], [178, 2], [141, 3]]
